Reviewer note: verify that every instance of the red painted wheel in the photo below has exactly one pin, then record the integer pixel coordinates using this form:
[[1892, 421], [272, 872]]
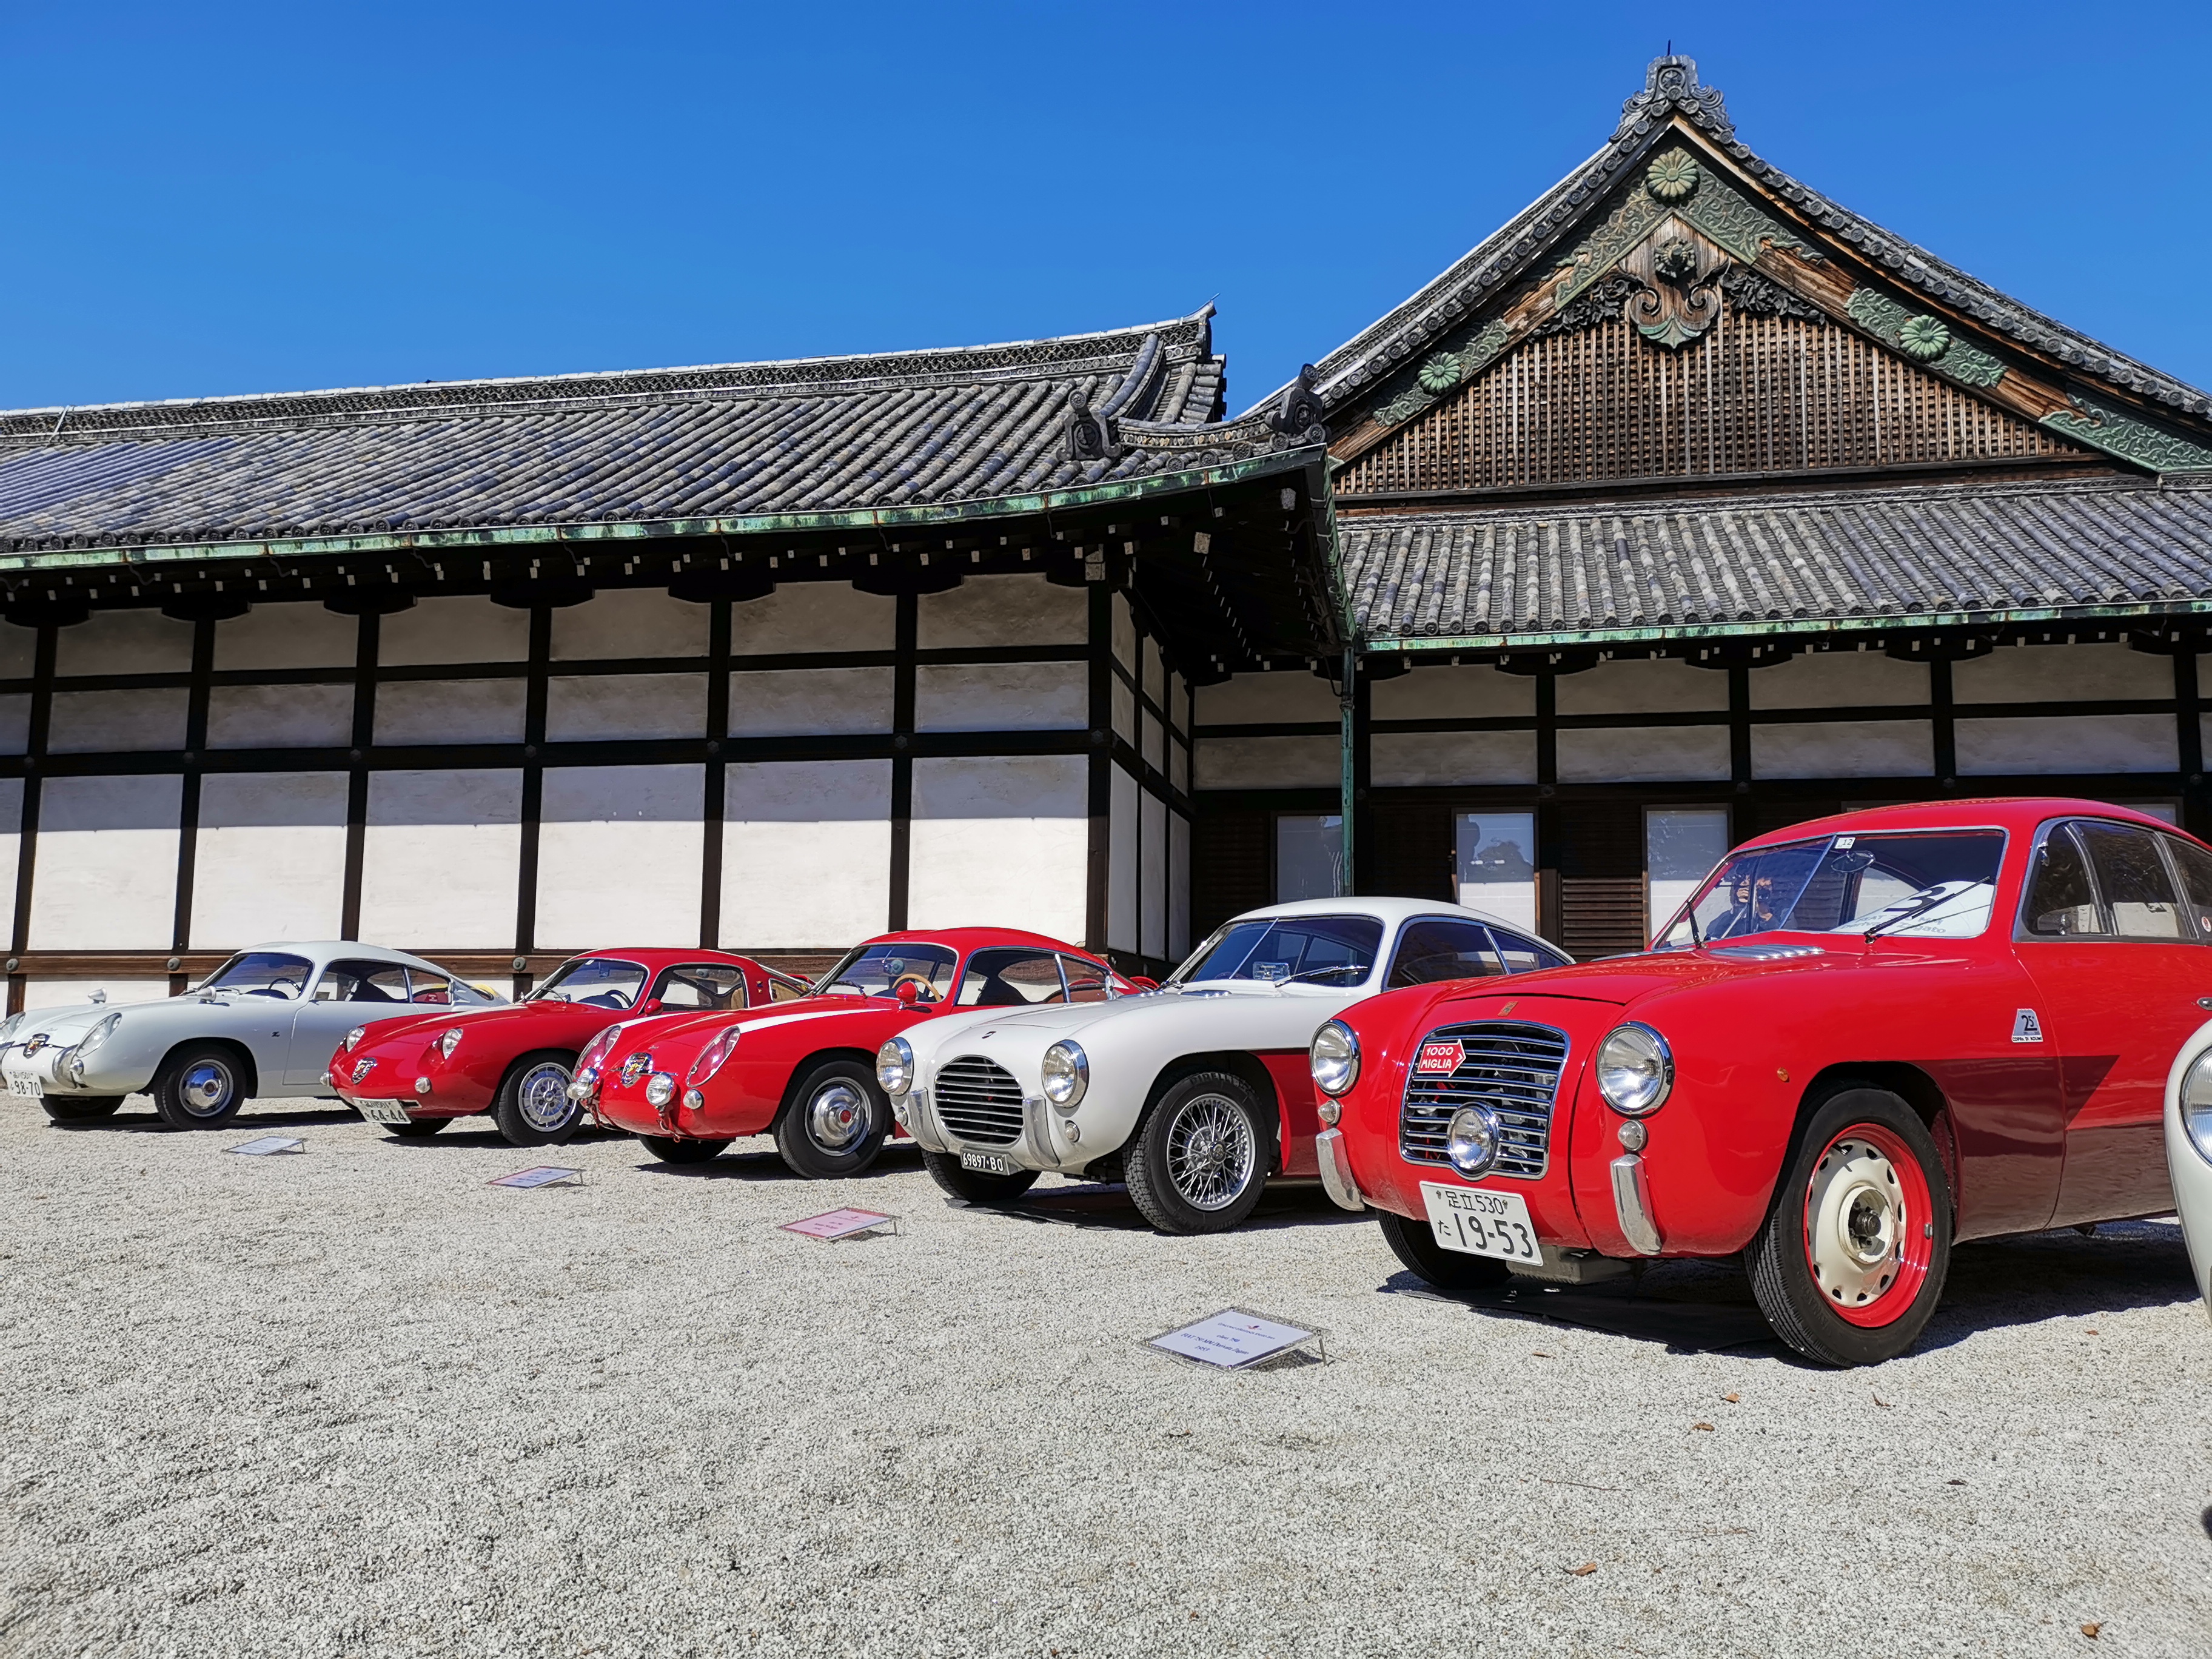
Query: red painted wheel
[[1869, 1225]]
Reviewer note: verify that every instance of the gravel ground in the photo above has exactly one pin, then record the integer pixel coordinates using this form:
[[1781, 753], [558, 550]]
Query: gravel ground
[[358, 1402]]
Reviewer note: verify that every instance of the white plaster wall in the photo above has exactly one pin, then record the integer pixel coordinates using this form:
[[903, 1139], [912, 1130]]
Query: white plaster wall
[[1446, 693], [2051, 673], [1641, 686], [268, 860], [73, 994], [1156, 685], [460, 628], [2079, 743], [450, 711], [1268, 699], [1844, 749], [630, 622], [11, 842], [279, 716], [119, 722], [610, 706], [19, 651], [1269, 762], [1122, 879], [1451, 757], [810, 701], [1124, 702], [1011, 610], [1178, 710], [619, 856], [1838, 679], [1125, 633], [813, 616], [1000, 841], [806, 850], [1012, 696], [15, 724], [107, 872], [1154, 747], [1154, 885], [125, 642], [287, 636], [1644, 754], [439, 859], [1178, 886], [1179, 766]]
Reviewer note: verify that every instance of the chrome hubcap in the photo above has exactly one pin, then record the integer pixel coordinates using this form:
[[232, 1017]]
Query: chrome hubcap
[[1210, 1154], [206, 1088], [1855, 1223], [837, 1116], [544, 1096]]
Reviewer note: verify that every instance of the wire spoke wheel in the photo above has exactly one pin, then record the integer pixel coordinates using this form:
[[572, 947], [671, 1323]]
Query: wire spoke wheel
[[543, 1095], [1210, 1154]]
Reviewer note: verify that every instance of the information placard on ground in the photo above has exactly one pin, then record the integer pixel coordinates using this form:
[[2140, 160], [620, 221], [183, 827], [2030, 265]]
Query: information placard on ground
[[268, 1144], [545, 1174], [1235, 1338], [842, 1223]]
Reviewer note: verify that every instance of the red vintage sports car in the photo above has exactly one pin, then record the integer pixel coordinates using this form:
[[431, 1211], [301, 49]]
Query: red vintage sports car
[[1865, 1037], [689, 1085], [416, 1073]]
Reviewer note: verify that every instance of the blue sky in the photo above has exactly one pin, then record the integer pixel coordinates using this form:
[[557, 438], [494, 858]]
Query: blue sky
[[227, 198]]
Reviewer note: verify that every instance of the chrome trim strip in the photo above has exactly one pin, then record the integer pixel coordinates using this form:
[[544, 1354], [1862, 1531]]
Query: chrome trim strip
[[1631, 1203], [1336, 1171], [1037, 1117], [922, 1123]]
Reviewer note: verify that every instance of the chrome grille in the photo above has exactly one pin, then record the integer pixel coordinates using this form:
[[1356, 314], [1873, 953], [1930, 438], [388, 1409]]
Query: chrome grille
[[978, 1101], [1509, 1065]]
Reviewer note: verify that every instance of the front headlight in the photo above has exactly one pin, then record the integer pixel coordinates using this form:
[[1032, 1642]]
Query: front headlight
[[2196, 1106], [1066, 1073], [102, 1030], [1334, 1057], [354, 1037], [713, 1057], [895, 1067], [599, 1050], [449, 1042], [1635, 1069]]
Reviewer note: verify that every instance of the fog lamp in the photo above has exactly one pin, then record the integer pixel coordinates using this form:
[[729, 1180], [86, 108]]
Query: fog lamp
[[422, 1085], [693, 1100], [1472, 1144], [660, 1089]]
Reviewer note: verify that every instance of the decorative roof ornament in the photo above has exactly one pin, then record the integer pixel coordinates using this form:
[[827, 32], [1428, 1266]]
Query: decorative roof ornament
[[1298, 409], [1923, 340], [1440, 373], [1671, 83], [1673, 177]]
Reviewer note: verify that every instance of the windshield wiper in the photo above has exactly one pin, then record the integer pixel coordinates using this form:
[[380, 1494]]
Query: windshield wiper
[[1314, 973], [1920, 909]]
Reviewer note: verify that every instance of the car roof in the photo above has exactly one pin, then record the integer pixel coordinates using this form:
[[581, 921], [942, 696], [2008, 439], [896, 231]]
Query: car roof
[[2021, 812], [661, 956], [965, 939], [1389, 911], [325, 950]]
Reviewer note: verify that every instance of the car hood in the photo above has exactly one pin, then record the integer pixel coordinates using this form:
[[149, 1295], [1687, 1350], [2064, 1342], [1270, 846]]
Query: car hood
[[1624, 980], [1064, 1018], [661, 1031], [66, 1025]]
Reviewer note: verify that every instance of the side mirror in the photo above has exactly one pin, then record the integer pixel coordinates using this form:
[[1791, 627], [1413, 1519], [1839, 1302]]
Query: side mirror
[[651, 1007], [907, 992]]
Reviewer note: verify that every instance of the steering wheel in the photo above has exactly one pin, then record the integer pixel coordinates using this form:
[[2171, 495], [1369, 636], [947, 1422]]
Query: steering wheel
[[922, 988]]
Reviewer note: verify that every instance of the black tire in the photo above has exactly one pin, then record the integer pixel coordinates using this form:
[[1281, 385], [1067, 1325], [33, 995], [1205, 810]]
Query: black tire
[[677, 1149], [835, 1123], [1863, 1164], [1414, 1243], [1201, 1156], [203, 1086], [973, 1185], [533, 1108], [416, 1128], [80, 1109]]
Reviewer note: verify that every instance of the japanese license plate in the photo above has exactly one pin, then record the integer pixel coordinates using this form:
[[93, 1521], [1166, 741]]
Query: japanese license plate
[[989, 1163], [1478, 1222], [382, 1111], [28, 1087]]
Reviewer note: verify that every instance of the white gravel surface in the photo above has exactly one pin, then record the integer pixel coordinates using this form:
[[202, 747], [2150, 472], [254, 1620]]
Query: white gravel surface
[[357, 1401]]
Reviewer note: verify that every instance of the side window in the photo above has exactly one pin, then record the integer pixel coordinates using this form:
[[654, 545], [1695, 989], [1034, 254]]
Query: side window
[[2196, 867], [1010, 979], [2132, 880], [1086, 981], [363, 981], [430, 987], [2061, 901], [702, 985], [1525, 956], [1437, 950]]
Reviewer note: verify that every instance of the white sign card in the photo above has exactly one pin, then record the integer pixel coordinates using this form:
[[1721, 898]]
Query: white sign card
[[268, 1144], [545, 1174], [842, 1223], [1234, 1338]]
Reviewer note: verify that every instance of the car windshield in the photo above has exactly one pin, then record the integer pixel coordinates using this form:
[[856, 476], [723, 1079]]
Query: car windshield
[[878, 970], [1929, 885], [595, 981], [1284, 950], [261, 973]]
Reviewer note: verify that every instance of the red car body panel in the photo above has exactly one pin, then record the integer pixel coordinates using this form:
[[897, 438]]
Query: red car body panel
[[396, 1051], [780, 1043], [2035, 1134]]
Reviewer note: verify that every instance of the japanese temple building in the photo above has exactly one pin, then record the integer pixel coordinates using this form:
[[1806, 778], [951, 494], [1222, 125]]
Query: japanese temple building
[[1686, 506]]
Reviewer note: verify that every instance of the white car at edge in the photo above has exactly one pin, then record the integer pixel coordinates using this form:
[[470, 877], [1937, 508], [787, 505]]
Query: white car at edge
[[263, 1024], [2189, 1152], [1195, 1093]]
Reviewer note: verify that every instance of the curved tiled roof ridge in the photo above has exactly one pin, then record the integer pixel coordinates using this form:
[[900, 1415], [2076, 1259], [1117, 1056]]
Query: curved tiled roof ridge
[[1671, 88]]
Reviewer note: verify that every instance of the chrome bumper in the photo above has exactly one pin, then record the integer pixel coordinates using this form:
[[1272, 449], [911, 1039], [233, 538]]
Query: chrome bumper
[[914, 1116], [1631, 1203], [1336, 1171]]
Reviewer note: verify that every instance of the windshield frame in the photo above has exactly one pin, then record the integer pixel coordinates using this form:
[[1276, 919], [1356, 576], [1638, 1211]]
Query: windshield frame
[[824, 985], [208, 986], [538, 993], [1385, 942], [1698, 941]]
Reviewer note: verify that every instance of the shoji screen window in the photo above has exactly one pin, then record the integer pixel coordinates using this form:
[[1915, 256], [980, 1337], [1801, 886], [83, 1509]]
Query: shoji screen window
[[1496, 865], [1308, 858], [1681, 846]]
